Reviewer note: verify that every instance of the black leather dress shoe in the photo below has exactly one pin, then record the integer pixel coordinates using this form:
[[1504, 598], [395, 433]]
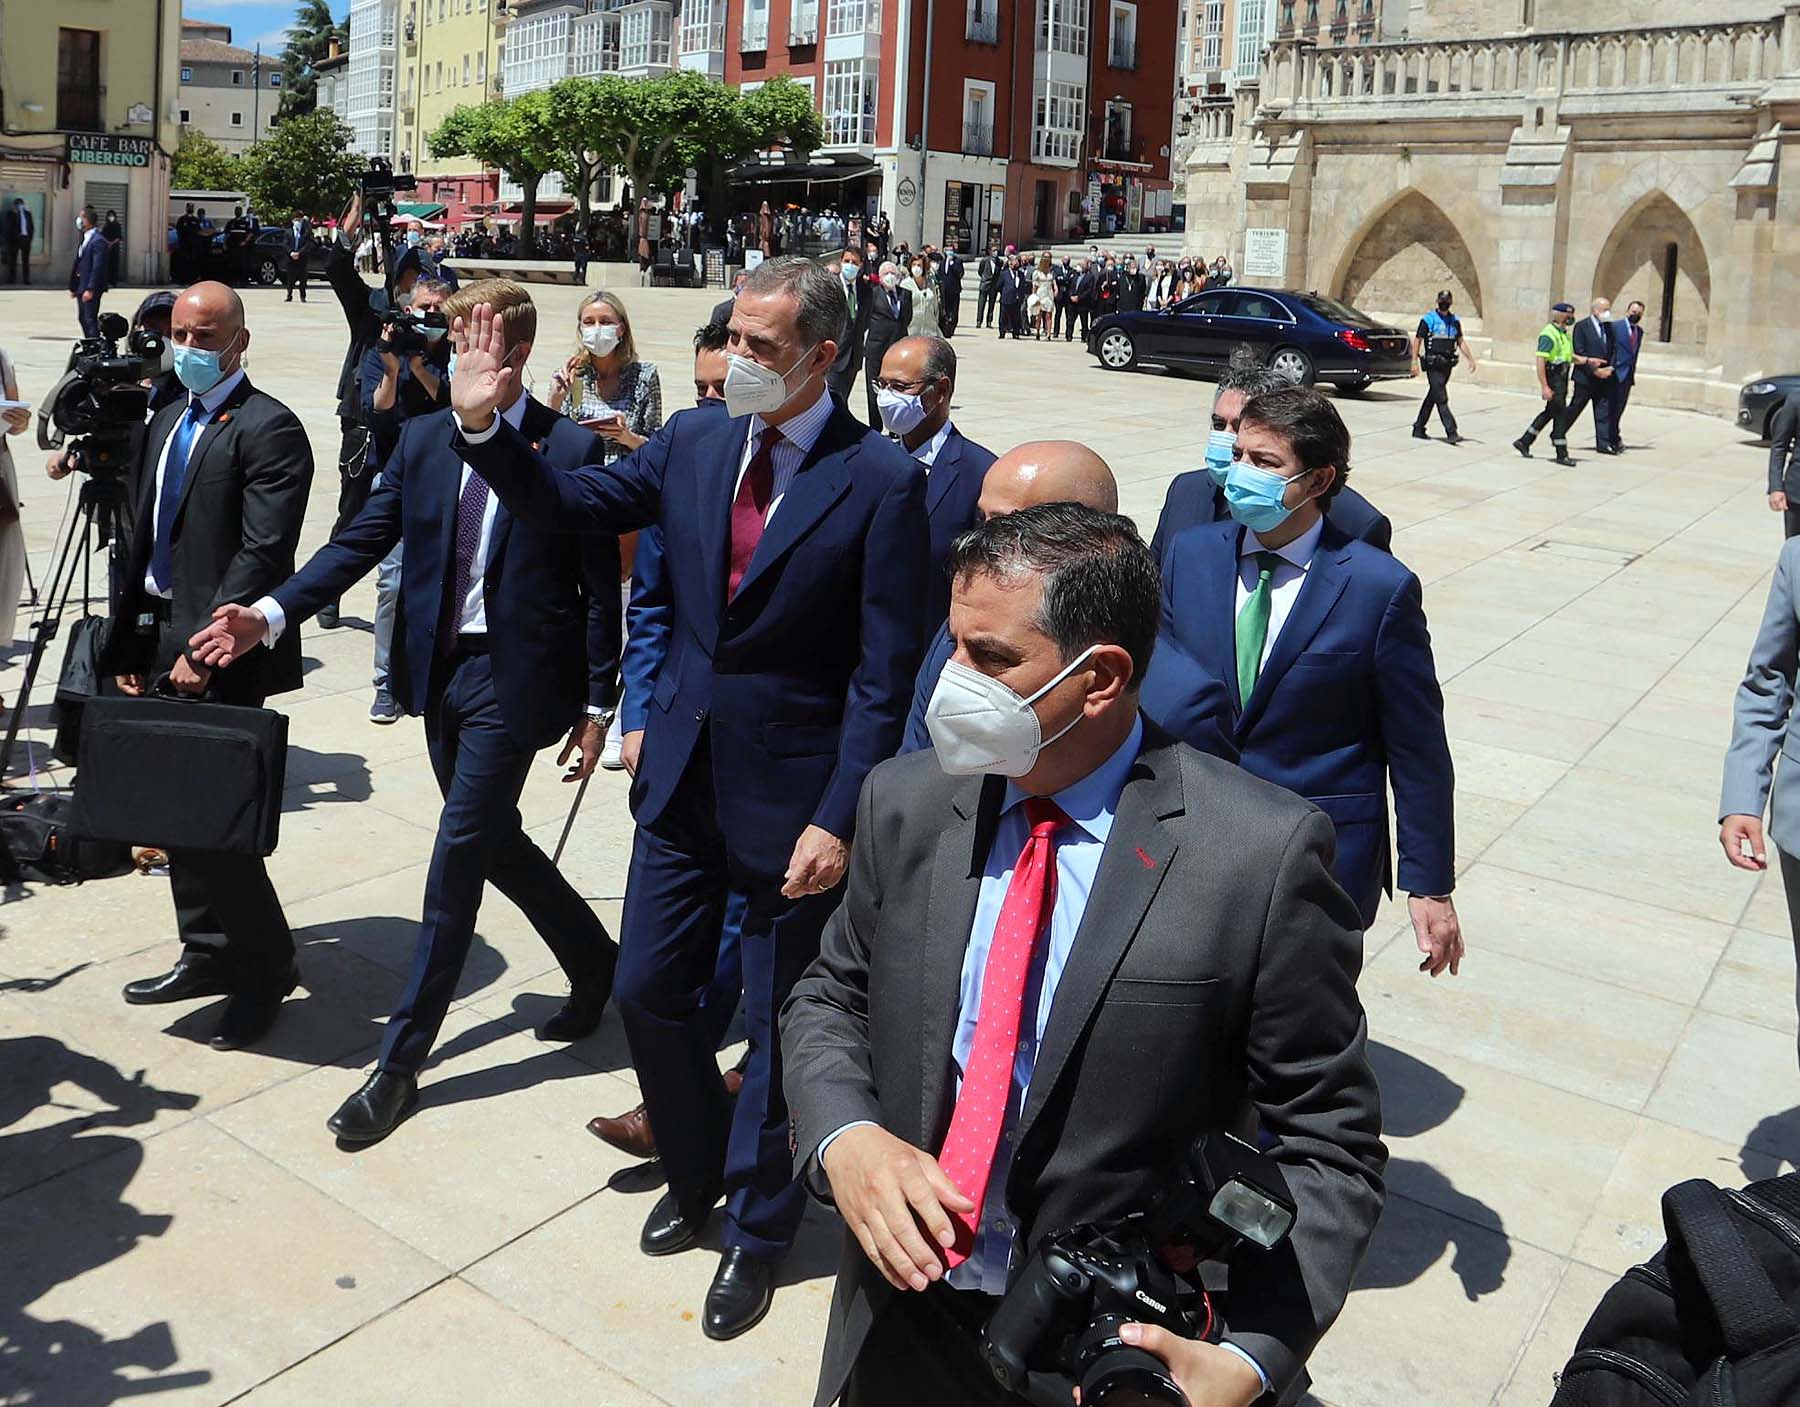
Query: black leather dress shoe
[[375, 1110], [579, 1016], [188, 980], [669, 1229], [741, 1293], [249, 1014]]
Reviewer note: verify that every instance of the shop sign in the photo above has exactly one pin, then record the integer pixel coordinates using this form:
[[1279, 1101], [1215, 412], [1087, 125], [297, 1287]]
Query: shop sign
[[106, 149]]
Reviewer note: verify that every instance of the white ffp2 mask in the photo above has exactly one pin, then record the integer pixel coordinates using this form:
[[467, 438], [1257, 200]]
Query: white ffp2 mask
[[754, 389], [978, 724]]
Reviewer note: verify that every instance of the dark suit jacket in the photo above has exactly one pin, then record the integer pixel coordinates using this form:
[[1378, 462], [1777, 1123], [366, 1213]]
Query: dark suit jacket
[[951, 491], [1086, 290], [552, 600], [1628, 341], [848, 366], [950, 276], [1193, 498], [884, 327], [364, 323], [988, 271], [1132, 289], [722, 311], [237, 525], [1592, 342], [1784, 449], [16, 226], [1015, 287], [1347, 701], [1214, 972], [297, 244], [800, 680], [89, 272]]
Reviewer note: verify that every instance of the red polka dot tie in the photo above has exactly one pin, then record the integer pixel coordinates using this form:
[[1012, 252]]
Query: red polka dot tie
[[968, 1153]]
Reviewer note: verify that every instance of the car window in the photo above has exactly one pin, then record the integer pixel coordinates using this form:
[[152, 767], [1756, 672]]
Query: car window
[[1337, 311], [1258, 305], [1203, 303]]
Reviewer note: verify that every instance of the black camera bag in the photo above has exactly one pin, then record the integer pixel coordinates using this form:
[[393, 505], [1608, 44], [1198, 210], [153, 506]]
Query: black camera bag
[[1711, 1319], [37, 844], [181, 774], [81, 679]]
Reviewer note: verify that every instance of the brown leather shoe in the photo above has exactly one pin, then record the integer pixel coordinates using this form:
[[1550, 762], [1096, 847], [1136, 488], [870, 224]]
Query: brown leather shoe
[[630, 1132]]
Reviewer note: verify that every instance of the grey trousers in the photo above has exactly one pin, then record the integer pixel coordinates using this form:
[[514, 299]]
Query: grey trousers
[[1790, 883]]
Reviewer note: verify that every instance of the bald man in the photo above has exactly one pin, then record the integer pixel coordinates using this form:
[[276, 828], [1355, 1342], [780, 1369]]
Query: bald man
[[219, 493], [913, 392], [1039, 471]]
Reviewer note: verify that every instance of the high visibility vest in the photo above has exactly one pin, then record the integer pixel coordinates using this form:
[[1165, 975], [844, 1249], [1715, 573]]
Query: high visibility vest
[[1562, 345]]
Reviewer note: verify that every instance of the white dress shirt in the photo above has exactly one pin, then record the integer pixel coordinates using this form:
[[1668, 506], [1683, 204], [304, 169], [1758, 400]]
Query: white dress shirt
[[798, 436], [928, 452], [472, 617], [210, 403], [1285, 586]]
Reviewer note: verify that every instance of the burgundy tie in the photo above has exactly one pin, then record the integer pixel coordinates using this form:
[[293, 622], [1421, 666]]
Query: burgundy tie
[[968, 1153], [751, 506]]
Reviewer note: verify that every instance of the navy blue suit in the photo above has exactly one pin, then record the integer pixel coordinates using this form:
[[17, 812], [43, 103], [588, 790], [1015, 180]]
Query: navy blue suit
[[1347, 699], [768, 711], [89, 277], [490, 704], [951, 493], [1628, 341], [1193, 498]]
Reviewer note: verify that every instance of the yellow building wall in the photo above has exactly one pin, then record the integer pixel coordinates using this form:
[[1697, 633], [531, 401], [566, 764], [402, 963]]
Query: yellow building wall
[[449, 38]]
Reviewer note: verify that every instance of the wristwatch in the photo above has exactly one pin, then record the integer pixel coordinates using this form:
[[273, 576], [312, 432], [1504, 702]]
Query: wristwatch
[[602, 716]]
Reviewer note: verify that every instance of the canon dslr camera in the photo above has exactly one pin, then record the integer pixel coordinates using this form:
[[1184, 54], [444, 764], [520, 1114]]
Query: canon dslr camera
[[1059, 1322]]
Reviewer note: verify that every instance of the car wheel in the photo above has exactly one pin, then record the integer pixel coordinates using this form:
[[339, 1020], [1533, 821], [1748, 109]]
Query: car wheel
[[1356, 388], [1292, 363], [267, 274], [1117, 351]]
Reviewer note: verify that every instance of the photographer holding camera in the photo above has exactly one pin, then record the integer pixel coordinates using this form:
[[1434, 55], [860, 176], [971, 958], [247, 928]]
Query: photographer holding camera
[[403, 375], [218, 496], [1069, 948]]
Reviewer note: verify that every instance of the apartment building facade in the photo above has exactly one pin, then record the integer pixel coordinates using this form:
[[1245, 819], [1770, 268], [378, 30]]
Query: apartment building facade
[[450, 57], [91, 112], [229, 93], [374, 57]]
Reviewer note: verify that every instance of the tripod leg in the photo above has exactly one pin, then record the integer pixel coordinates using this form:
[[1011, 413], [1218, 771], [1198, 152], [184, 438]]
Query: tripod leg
[[76, 546]]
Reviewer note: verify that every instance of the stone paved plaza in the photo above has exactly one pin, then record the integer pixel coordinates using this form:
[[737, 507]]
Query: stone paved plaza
[[179, 1226]]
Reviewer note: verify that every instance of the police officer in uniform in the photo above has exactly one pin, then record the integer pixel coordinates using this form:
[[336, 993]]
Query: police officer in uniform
[[1435, 347], [1555, 358]]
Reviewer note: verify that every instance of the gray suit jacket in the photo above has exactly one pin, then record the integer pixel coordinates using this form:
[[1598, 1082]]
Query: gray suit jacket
[[1761, 724], [1215, 970]]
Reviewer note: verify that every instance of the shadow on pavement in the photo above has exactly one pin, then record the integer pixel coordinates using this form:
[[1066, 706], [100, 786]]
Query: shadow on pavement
[[1416, 1098], [60, 1361], [1772, 1147]]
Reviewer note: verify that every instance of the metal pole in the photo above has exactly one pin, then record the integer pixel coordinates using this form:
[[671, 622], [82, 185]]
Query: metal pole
[[256, 96], [925, 122]]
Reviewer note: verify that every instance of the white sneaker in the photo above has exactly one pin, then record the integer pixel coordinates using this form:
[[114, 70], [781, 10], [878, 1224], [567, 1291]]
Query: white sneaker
[[612, 755]]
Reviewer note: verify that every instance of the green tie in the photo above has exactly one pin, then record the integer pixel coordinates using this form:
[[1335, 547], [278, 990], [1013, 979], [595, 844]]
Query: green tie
[[1253, 625]]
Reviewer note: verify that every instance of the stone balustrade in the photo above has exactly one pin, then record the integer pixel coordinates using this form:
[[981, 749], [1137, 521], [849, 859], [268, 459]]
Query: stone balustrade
[[1303, 81]]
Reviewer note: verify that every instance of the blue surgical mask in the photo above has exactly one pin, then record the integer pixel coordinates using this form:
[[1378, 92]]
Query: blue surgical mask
[[414, 239], [1219, 447], [198, 368], [433, 333], [1256, 497]]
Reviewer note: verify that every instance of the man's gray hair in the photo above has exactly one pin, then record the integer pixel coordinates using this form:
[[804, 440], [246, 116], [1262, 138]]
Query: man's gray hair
[[1100, 581], [818, 291], [1248, 373], [940, 358]]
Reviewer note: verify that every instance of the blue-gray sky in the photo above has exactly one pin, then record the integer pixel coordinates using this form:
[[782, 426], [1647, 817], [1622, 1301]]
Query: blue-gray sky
[[253, 20]]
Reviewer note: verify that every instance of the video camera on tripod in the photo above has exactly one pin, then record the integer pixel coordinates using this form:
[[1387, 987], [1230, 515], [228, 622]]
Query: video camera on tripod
[[1059, 1322], [102, 397]]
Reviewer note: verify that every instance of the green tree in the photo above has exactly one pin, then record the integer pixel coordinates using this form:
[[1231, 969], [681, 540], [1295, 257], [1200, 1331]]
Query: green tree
[[201, 164], [578, 110], [305, 164], [308, 42], [520, 136]]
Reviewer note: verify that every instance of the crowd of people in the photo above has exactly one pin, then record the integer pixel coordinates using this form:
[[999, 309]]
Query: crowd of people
[[1028, 852]]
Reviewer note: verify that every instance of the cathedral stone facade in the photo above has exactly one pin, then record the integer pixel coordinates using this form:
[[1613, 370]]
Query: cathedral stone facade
[[1522, 152]]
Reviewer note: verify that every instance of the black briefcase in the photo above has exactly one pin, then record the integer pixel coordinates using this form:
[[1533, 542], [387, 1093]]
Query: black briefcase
[[180, 774]]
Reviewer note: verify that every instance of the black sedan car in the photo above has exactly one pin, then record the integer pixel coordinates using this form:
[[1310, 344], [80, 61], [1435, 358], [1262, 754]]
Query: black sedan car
[[1758, 402], [264, 259], [1305, 336]]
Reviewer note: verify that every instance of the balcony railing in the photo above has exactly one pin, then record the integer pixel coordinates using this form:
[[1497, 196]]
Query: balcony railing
[[803, 25], [984, 28], [1122, 55], [978, 138], [1630, 66], [756, 33], [853, 17]]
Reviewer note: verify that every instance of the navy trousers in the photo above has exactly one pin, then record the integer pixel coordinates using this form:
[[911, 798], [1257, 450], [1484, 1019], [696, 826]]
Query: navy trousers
[[682, 876], [481, 771], [88, 310]]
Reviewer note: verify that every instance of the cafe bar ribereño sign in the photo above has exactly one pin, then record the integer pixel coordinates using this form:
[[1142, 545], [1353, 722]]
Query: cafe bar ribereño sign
[[105, 149]]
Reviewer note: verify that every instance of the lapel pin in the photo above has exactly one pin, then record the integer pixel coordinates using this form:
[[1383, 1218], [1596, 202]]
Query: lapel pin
[[1144, 855]]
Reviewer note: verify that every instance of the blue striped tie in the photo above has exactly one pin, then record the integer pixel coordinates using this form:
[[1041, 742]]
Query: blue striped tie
[[162, 562]]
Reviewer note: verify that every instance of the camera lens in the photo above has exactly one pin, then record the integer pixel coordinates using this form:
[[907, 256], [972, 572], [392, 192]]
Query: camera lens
[[1112, 1371]]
